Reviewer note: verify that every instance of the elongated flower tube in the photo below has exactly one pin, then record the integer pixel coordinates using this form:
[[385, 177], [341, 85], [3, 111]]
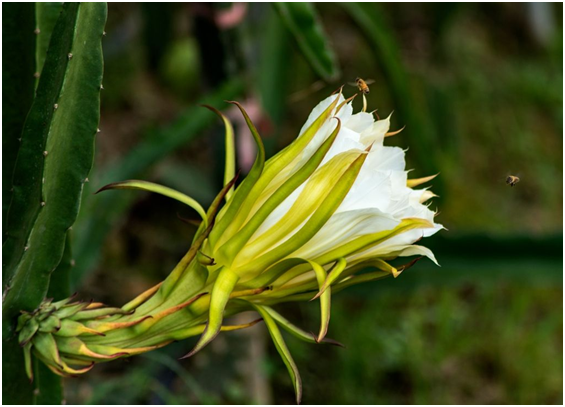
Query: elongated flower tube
[[329, 211]]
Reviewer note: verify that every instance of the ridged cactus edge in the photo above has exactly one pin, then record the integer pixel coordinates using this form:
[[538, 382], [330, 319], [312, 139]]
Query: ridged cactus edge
[[53, 162]]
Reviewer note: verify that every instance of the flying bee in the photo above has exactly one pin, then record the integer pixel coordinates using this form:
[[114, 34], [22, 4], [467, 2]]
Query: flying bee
[[512, 180], [362, 84]]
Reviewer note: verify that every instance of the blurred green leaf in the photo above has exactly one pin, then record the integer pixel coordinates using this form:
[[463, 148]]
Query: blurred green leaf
[[303, 22]]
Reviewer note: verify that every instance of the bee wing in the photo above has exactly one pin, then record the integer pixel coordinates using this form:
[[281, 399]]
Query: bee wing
[[352, 84], [369, 81]]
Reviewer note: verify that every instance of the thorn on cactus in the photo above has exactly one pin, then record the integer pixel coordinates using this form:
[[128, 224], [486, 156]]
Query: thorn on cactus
[[36, 31], [55, 106]]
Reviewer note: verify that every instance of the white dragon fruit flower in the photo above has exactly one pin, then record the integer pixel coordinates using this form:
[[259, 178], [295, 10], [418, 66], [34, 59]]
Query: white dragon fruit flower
[[304, 224]]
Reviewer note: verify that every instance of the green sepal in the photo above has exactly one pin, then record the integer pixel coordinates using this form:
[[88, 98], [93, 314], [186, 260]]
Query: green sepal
[[204, 259], [28, 361], [231, 220], [191, 283], [282, 349], [71, 328], [298, 332], [22, 320], [332, 277], [363, 278], [267, 277], [28, 331], [325, 300], [76, 347], [231, 248], [177, 334], [229, 168], [50, 324], [70, 309], [66, 301], [46, 346], [272, 168], [162, 190], [315, 222], [201, 235], [98, 312], [223, 286]]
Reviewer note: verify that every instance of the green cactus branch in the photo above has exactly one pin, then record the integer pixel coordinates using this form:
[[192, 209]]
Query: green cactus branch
[[46, 15], [54, 158]]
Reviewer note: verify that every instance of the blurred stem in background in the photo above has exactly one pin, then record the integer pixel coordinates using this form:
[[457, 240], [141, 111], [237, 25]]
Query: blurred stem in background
[[158, 31]]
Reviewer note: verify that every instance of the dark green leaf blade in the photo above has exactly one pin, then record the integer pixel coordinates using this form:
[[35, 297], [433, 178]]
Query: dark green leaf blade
[[303, 22]]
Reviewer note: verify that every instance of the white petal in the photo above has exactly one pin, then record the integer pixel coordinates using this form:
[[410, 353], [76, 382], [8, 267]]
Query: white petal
[[319, 109], [344, 227], [376, 133], [360, 122]]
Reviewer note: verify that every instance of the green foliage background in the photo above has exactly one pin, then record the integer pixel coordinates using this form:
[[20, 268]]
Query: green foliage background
[[479, 88]]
